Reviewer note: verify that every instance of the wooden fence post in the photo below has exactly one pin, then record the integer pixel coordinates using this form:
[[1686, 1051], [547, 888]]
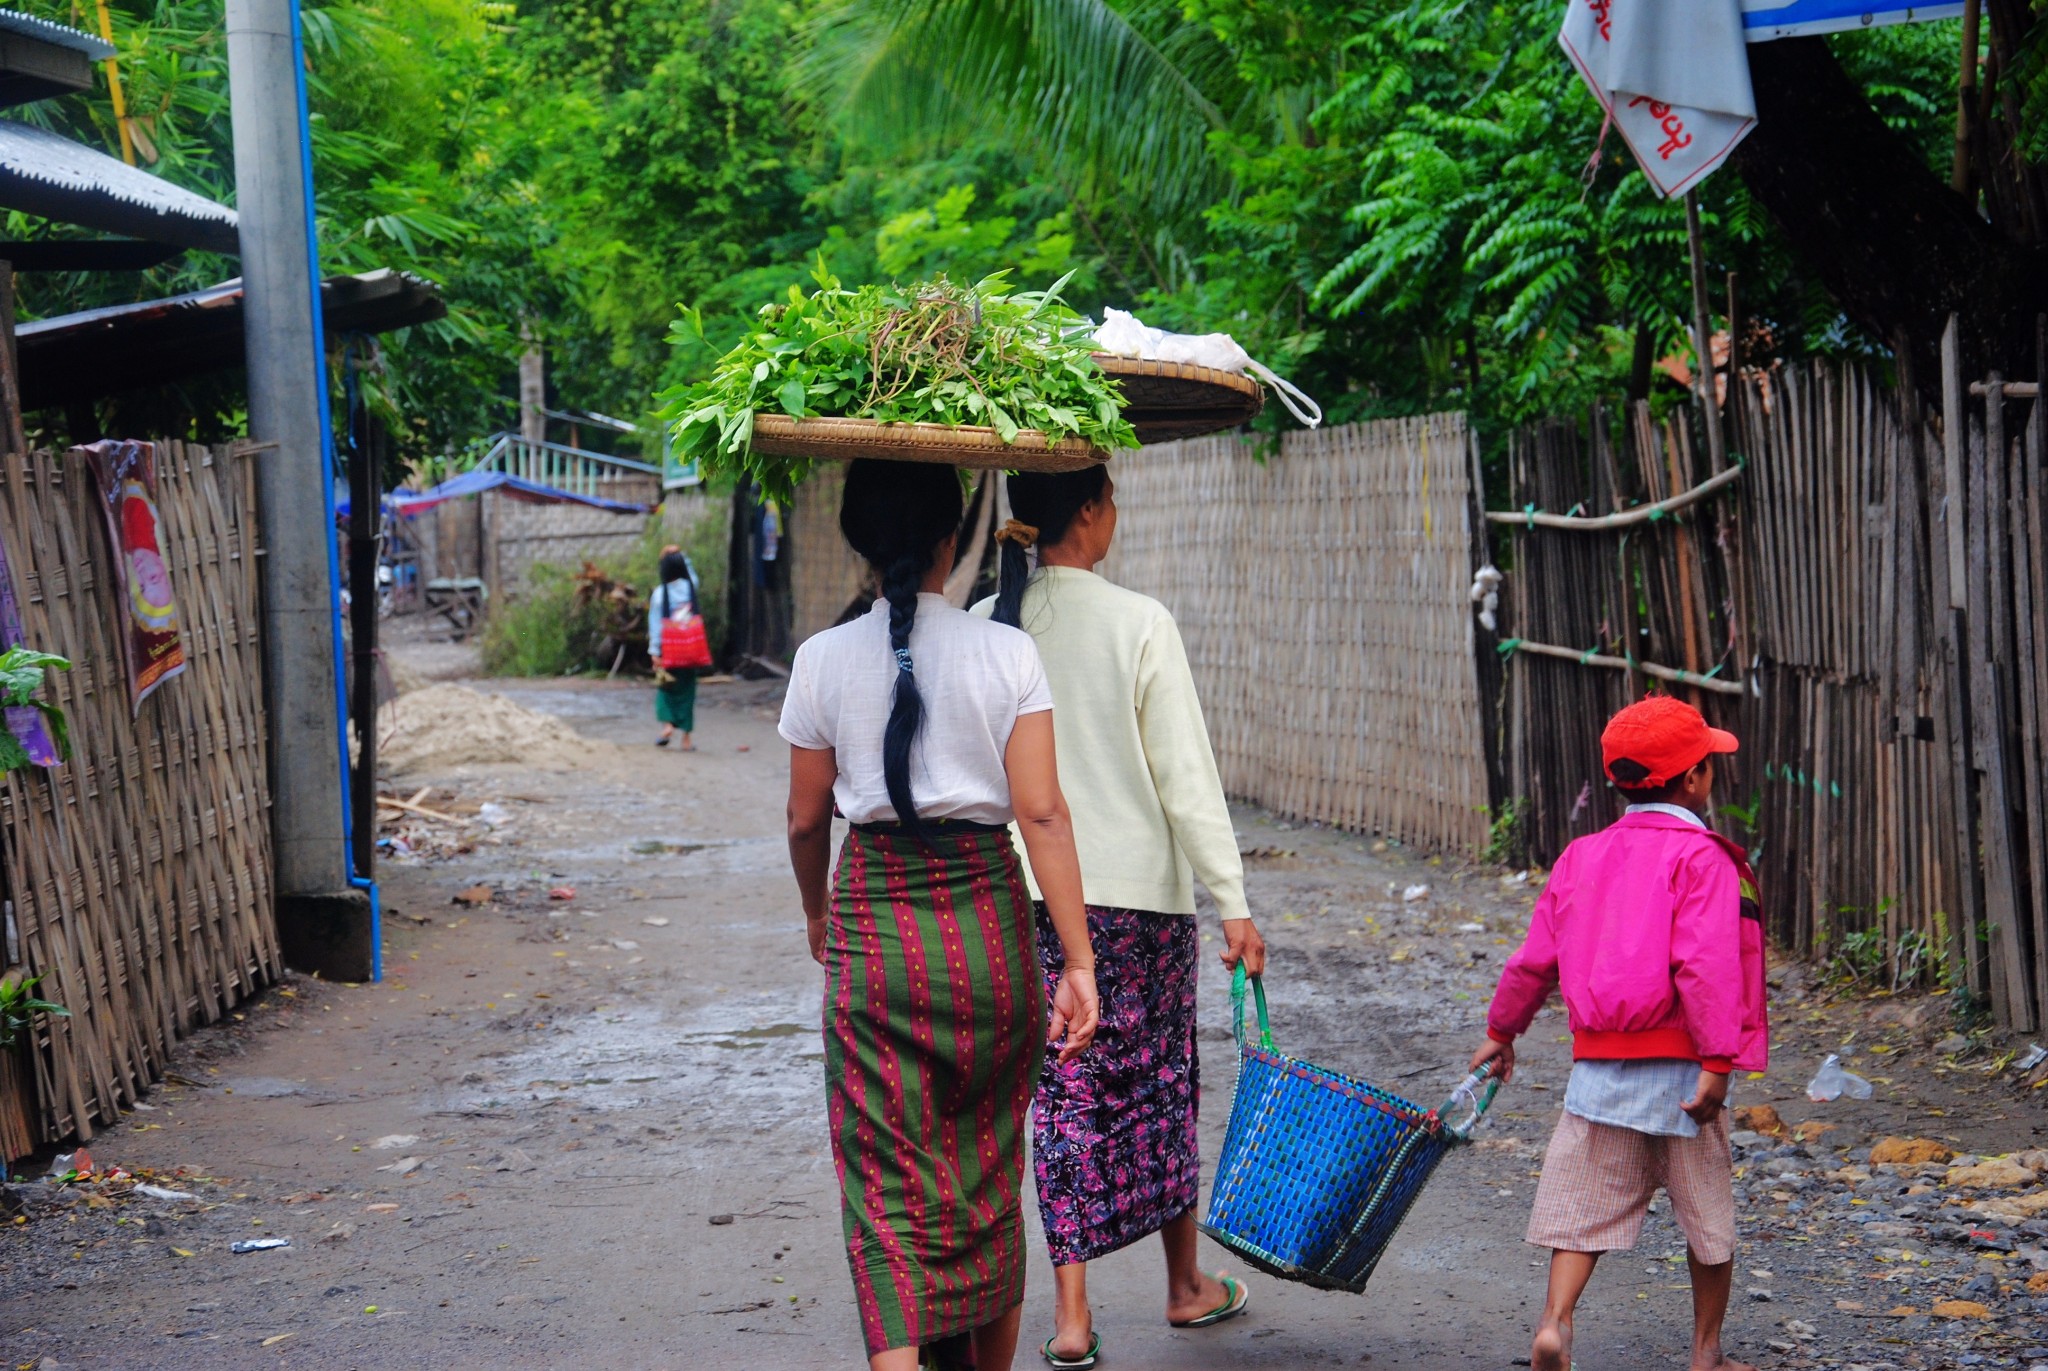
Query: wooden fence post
[[1949, 504]]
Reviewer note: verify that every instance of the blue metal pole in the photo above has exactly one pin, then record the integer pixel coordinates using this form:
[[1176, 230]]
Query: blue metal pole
[[359, 880]]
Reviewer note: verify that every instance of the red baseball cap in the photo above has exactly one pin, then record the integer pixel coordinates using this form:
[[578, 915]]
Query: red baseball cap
[[1662, 735]]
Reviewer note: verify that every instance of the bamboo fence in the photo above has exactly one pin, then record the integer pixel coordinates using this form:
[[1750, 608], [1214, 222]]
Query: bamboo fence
[[1872, 591], [1321, 595], [1599, 593], [1848, 712], [138, 872], [1992, 646]]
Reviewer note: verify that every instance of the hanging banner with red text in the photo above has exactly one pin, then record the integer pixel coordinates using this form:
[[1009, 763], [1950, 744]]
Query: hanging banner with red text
[[1673, 78], [125, 474]]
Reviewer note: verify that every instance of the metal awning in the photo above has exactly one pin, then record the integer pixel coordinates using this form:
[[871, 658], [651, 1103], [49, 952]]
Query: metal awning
[[95, 48], [39, 59], [47, 174], [79, 357]]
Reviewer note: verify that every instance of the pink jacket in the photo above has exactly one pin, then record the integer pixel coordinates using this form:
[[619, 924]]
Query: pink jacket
[[1652, 929]]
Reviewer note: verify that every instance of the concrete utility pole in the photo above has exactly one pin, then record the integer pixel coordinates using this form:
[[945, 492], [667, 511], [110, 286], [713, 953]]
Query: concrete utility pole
[[325, 923]]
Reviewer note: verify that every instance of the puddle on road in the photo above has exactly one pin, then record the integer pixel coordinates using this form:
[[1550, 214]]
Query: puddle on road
[[715, 856], [703, 857], [753, 1051], [573, 704], [260, 1087], [611, 861]]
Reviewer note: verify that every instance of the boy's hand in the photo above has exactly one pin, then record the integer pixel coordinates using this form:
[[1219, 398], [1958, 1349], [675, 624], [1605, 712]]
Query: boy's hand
[[1707, 1098], [1504, 1054]]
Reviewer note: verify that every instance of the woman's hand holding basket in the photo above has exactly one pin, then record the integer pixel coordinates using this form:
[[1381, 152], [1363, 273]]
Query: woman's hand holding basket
[[1242, 943]]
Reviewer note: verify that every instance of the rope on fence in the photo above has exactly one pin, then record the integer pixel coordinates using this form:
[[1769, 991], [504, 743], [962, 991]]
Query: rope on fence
[[1531, 517], [1509, 646]]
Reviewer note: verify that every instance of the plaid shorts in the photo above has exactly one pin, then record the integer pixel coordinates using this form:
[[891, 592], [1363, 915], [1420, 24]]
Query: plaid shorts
[[1598, 1180]]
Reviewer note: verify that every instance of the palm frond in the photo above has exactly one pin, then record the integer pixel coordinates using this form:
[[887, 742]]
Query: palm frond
[[1115, 100]]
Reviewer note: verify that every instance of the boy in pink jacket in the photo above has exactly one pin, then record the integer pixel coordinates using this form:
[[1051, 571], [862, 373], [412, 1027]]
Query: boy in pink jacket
[[1651, 929]]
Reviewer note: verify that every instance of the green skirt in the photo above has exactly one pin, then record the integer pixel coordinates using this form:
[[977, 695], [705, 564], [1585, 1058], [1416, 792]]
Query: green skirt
[[675, 700], [934, 1032]]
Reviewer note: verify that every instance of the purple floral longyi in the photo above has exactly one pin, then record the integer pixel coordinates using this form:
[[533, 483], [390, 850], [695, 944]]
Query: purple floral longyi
[[1114, 1140]]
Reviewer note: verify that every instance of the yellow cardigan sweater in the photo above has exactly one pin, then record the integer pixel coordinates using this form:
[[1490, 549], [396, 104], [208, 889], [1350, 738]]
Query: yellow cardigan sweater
[[1134, 756]]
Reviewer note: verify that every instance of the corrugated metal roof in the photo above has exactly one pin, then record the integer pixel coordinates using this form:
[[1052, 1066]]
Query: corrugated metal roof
[[123, 347], [45, 173], [78, 40]]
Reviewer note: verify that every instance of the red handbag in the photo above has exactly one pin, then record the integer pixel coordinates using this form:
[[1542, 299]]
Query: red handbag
[[684, 645]]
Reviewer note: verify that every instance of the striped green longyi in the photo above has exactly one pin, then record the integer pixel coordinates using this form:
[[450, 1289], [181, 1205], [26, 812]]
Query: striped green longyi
[[934, 1032]]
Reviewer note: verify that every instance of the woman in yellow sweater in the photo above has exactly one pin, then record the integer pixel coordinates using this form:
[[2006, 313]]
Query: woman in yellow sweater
[[1114, 1140]]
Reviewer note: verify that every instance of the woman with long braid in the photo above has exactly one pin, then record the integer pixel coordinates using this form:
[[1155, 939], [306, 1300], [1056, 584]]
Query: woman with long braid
[[931, 730], [1114, 1140]]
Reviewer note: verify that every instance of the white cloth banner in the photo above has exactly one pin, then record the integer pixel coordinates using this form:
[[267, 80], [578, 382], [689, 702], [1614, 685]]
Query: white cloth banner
[[1673, 78]]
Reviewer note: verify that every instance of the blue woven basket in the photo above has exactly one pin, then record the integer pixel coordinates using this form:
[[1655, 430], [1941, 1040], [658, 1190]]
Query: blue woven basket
[[1318, 1169]]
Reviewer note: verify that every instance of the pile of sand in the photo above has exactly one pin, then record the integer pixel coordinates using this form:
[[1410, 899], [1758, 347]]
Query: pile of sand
[[405, 677], [442, 726]]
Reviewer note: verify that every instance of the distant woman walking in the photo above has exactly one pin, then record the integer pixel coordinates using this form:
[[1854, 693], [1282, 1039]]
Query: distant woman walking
[[675, 639], [931, 730], [1114, 1140]]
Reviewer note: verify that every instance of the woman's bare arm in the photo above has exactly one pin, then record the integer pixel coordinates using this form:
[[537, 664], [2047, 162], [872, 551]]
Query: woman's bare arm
[[811, 773], [1048, 831]]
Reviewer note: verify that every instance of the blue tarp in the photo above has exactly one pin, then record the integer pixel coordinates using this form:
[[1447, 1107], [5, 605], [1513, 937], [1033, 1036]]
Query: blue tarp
[[407, 503]]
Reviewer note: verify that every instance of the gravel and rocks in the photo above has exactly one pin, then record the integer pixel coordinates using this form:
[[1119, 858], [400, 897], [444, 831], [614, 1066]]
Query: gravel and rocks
[[1917, 1257]]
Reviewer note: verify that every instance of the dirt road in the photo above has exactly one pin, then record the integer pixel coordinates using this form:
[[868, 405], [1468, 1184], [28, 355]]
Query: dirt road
[[590, 1131]]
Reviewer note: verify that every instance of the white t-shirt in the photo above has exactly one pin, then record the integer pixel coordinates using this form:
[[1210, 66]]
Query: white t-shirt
[[976, 677]]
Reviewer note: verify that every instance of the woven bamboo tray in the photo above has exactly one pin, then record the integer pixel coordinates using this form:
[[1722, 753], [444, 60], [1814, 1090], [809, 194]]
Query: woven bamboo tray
[[843, 440], [1169, 400]]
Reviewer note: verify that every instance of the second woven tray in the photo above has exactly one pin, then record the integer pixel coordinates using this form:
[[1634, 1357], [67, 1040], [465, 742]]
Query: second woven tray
[[843, 440], [1169, 400]]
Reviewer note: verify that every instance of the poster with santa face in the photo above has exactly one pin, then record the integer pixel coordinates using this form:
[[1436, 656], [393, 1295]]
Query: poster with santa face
[[125, 475]]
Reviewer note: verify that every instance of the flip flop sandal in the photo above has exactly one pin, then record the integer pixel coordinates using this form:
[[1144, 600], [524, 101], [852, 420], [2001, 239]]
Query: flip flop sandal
[[1239, 1298], [1080, 1363]]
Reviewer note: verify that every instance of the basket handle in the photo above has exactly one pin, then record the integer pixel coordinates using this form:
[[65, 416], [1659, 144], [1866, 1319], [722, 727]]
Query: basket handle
[[1238, 977], [1478, 1089]]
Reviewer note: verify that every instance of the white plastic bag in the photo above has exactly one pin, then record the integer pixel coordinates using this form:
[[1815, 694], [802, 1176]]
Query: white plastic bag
[[1832, 1082], [1485, 593], [1126, 335]]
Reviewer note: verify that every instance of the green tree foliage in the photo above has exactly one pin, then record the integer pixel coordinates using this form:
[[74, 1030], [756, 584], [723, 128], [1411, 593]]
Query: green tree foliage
[[669, 158], [1412, 213], [566, 171], [1396, 202], [396, 90]]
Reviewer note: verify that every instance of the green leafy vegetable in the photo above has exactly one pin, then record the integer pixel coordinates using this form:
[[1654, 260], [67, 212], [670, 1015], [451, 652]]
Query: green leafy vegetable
[[935, 352], [18, 1008], [21, 676]]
